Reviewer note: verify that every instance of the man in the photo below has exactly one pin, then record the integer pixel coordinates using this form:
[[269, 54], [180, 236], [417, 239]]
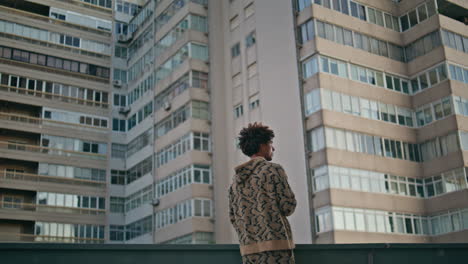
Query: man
[[260, 199]]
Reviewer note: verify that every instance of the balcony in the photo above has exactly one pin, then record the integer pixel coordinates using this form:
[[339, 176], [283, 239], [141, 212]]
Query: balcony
[[49, 151], [317, 254], [54, 21], [52, 96], [56, 46], [24, 119], [454, 10], [9, 207], [33, 179]]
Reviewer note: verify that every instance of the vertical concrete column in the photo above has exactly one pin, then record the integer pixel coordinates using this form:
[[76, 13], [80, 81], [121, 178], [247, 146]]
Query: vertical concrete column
[[281, 102]]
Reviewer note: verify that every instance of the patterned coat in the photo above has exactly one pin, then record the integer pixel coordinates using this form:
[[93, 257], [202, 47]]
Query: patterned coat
[[259, 201]]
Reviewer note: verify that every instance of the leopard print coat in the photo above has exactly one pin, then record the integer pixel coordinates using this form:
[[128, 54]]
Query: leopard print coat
[[259, 201]]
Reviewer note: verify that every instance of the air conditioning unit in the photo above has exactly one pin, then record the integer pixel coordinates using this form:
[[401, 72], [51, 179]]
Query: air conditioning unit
[[155, 202], [124, 110], [124, 38], [167, 105], [117, 83]]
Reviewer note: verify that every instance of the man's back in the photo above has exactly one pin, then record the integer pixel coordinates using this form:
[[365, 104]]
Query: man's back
[[259, 201]]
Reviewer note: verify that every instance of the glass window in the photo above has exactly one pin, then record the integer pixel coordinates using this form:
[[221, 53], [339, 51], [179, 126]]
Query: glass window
[[404, 22], [431, 9], [422, 13], [413, 18], [379, 18], [348, 37], [324, 64], [423, 81]]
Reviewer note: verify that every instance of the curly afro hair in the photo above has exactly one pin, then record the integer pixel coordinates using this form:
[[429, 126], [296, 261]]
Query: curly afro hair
[[252, 136]]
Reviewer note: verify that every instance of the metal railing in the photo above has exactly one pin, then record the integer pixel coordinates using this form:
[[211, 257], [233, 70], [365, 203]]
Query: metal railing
[[49, 208], [50, 151], [29, 177], [52, 96], [41, 121], [27, 253], [90, 6]]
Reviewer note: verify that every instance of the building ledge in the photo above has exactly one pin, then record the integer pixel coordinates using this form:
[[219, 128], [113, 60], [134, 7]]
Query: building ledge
[[19, 253]]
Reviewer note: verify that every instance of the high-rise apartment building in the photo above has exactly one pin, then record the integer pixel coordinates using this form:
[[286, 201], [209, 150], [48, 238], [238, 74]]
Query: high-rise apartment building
[[55, 61], [119, 118]]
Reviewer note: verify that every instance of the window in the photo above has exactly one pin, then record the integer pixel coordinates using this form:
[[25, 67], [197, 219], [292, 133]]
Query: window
[[254, 103], [252, 70], [307, 31], [250, 39], [317, 139], [235, 50], [234, 22], [238, 111], [310, 67], [249, 10]]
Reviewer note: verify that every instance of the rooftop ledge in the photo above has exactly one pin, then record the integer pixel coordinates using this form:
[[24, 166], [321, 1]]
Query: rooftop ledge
[[19, 253]]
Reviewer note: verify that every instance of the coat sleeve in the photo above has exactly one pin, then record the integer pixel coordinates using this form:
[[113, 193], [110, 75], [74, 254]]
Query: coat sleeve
[[285, 196], [231, 209]]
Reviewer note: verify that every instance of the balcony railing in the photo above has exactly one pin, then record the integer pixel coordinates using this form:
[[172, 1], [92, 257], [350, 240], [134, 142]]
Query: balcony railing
[[55, 46], [40, 121], [52, 96], [16, 237], [90, 6], [53, 70], [61, 22], [49, 208], [28, 177], [27, 253], [50, 151]]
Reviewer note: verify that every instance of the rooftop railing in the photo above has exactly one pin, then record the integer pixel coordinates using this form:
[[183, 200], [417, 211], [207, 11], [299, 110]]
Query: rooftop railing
[[226, 254]]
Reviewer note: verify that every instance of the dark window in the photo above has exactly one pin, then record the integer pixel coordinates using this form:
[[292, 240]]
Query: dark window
[[76, 42], [413, 18], [31, 84], [354, 12], [86, 147], [404, 23], [94, 148], [14, 81], [47, 114], [68, 40], [5, 78], [22, 82]]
